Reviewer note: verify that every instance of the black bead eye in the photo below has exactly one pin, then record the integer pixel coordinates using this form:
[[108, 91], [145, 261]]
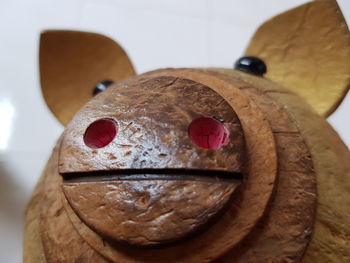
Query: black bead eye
[[251, 65], [101, 86]]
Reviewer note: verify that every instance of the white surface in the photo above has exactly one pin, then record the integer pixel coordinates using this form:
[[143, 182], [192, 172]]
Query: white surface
[[157, 33]]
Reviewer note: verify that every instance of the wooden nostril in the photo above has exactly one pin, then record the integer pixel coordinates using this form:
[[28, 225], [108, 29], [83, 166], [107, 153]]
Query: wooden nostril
[[208, 133], [100, 133]]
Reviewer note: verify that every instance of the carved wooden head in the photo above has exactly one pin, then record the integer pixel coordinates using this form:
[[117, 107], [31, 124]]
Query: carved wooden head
[[157, 184], [197, 165]]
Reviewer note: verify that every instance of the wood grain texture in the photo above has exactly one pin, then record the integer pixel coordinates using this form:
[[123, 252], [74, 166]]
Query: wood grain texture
[[33, 251], [61, 242], [240, 217], [72, 63], [307, 50], [268, 220], [284, 232], [153, 116], [147, 212], [50, 237], [101, 205], [331, 158]]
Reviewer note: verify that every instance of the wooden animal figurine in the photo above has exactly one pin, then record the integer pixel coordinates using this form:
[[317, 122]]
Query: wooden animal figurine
[[197, 165]]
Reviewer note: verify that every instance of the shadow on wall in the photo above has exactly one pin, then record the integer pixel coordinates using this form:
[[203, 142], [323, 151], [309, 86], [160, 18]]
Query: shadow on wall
[[12, 199]]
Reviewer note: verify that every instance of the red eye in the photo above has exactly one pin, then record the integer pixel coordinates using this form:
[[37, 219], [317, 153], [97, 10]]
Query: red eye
[[208, 133], [100, 133]]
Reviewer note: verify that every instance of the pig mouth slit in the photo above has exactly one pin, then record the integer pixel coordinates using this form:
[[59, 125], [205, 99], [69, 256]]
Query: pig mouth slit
[[154, 174]]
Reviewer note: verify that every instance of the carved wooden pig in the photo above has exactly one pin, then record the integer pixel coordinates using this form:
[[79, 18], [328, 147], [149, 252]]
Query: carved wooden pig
[[197, 165]]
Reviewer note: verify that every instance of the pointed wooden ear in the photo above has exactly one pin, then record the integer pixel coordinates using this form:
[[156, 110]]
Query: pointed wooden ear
[[307, 49], [72, 63]]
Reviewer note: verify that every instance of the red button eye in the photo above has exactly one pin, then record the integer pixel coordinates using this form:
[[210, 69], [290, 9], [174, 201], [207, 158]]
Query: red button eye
[[208, 133], [100, 133]]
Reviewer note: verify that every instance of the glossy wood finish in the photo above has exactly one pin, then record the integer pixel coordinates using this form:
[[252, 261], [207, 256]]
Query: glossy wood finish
[[307, 50], [330, 158], [153, 117], [152, 195], [296, 178], [175, 186]]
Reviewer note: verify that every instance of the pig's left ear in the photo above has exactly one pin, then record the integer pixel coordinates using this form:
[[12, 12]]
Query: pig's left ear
[[307, 50], [72, 63]]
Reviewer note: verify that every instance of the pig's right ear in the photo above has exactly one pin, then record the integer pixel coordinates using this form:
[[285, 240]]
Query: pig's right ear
[[72, 63], [307, 50]]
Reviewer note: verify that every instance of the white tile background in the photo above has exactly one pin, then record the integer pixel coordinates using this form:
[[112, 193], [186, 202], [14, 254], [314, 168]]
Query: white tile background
[[155, 33]]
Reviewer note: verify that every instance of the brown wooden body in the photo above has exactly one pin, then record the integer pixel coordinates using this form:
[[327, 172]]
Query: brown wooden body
[[272, 215]]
